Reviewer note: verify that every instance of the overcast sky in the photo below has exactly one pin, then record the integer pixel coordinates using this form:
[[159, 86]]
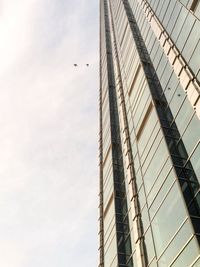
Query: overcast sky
[[48, 133]]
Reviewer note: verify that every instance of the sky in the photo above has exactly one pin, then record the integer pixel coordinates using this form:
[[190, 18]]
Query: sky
[[48, 133]]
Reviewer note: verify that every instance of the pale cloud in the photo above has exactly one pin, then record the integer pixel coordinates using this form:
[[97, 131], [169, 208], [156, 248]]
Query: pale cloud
[[48, 137]]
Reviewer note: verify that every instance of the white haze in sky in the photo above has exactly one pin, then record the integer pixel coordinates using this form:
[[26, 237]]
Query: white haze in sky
[[48, 133]]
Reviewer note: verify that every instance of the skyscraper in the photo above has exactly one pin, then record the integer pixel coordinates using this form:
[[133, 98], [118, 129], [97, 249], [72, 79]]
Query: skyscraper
[[149, 133]]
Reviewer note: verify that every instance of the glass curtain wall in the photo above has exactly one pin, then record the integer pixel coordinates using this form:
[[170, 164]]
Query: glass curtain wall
[[149, 134]]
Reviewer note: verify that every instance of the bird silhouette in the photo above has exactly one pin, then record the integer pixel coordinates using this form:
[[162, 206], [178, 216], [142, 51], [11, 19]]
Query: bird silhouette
[[76, 65]]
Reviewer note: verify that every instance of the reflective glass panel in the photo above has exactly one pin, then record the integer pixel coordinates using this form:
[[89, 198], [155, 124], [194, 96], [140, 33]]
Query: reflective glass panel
[[176, 245], [155, 165], [162, 192], [192, 134], [188, 255], [195, 160], [149, 245], [168, 218]]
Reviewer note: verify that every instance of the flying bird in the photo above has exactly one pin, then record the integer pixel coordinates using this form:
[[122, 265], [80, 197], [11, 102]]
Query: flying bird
[[76, 65]]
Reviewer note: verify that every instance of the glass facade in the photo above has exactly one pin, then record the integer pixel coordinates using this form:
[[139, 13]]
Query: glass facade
[[149, 140]]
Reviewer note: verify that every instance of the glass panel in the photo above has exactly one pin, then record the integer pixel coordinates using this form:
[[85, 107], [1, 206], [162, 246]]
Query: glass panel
[[191, 41], [149, 245], [149, 153], [173, 17], [134, 89], [147, 131], [168, 218], [144, 101], [108, 228], [139, 178], [168, 13], [154, 5], [177, 243], [198, 76], [107, 164], [155, 165], [154, 48], [195, 62], [135, 260], [179, 23], [136, 163], [107, 261], [184, 2], [110, 254], [177, 100], [155, 136], [195, 160], [157, 58], [109, 238], [192, 134], [144, 118], [184, 115], [132, 238], [166, 76], [145, 218], [151, 43], [165, 170], [108, 189], [197, 263], [142, 197], [164, 7], [133, 144], [171, 87], [162, 193], [162, 64], [187, 26], [109, 216], [114, 263], [188, 255], [153, 263]]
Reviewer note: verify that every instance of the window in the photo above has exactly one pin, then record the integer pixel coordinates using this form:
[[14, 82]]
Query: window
[[184, 115], [170, 84], [195, 160], [181, 238], [197, 263], [173, 18], [134, 79], [192, 41], [154, 164], [194, 61], [144, 121], [192, 133], [162, 192], [188, 255], [145, 218], [168, 219], [165, 171], [179, 23], [185, 31], [177, 100], [149, 245]]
